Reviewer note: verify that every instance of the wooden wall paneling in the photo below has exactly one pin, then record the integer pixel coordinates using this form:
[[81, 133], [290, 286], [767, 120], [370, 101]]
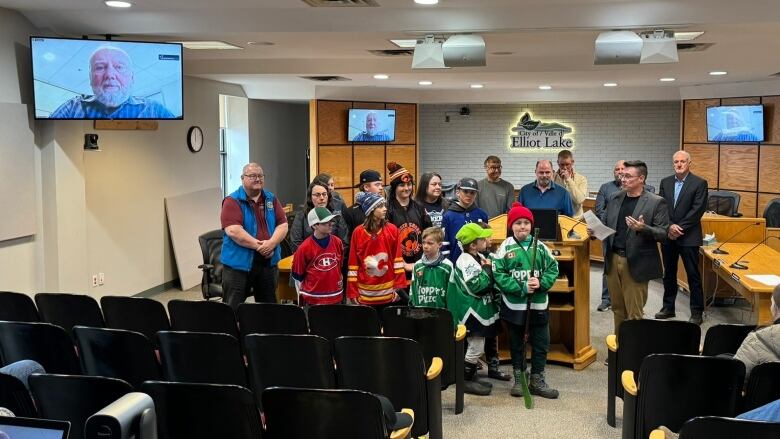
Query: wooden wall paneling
[[369, 105], [704, 161], [369, 156], [405, 123], [769, 163], [747, 204], [771, 119], [763, 200], [774, 243], [738, 164], [741, 101], [337, 161], [406, 156], [332, 122], [695, 119]]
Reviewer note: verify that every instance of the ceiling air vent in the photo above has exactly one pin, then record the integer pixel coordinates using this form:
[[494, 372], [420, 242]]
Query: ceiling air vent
[[326, 78], [392, 52], [341, 3], [693, 47]]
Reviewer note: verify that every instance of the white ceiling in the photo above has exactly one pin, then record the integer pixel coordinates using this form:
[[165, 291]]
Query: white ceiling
[[551, 43]]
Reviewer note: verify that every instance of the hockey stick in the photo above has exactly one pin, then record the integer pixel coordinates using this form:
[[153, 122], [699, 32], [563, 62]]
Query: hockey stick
[[527, 398]]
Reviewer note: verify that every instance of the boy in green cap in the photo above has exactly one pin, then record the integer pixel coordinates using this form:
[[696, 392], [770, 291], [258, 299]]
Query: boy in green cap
[[471, 302], [516, 279]]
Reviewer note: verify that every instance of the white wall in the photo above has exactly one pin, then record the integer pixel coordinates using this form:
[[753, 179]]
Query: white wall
[[603, 133]]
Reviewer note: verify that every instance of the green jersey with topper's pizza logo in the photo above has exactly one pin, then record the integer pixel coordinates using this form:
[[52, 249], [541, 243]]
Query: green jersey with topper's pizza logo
[[512, 269]]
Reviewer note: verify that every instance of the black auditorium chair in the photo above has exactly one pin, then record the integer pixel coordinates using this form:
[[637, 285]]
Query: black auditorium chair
[[17, 307], [331, 321], [673, 388], [433, 329], [638, 339], [723, 203], [15, 397], [204, 411], [763, 386], [116, 353], [74, 398], [68, 310], [211, 248], [201, 357], [202, 316], [725, 338], [271, 318], [45, 343], [395, 368], [716, 427], [772, 213], [340, 413], [139, 314], [289, 361]]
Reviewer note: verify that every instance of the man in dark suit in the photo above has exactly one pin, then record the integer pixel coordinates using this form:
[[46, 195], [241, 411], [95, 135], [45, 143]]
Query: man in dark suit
[[686, 197], [640, 219]]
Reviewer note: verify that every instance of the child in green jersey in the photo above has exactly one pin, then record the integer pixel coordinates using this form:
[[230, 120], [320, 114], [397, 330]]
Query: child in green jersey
[[470, 300], [431, 274], [516, 279]]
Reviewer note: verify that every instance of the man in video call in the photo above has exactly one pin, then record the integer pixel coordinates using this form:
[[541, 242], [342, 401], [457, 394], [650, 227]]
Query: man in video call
[[111, 77], [373, 132]]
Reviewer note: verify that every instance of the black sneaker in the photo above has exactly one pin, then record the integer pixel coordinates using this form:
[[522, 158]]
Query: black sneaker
[[605, 306], [538, 386], [696, 318], [665, 313]]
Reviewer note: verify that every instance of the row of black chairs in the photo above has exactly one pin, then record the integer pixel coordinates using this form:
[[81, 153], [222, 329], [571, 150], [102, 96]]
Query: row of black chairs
[[641, 351], [718, 427]]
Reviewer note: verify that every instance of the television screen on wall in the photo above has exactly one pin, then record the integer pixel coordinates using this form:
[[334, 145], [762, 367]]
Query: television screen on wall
[[740, 123], [99, 79], [371, 125]]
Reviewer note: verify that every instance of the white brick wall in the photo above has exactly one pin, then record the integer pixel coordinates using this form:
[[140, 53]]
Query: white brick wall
[[603, 134]]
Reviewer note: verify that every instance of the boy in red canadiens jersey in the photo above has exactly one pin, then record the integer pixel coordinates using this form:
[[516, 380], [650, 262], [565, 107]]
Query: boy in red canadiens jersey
[[317, 263], [376, 268]]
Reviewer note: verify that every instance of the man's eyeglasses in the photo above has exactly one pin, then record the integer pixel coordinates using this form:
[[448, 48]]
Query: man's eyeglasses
[[628, 176], [254, 176], [495, 168], [319, 195]]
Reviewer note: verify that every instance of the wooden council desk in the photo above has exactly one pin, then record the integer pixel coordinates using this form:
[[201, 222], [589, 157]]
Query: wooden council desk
[[569, 297], [284, 292], [762, 260]]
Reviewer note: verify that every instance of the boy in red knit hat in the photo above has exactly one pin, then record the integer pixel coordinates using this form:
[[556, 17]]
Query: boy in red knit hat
[[517, 279]]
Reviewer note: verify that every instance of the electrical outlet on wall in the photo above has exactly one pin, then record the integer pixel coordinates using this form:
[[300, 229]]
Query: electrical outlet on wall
[[101, 278], [94, 280]]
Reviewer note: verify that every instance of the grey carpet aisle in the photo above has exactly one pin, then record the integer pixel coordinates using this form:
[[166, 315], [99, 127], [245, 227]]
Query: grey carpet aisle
[[581, 409]]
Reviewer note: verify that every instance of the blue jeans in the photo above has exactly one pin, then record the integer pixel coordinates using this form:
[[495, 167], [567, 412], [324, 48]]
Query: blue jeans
[[768, 412], [22, 370]]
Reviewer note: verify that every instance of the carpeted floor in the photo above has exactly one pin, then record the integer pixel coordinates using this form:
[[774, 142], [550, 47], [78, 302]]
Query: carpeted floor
[[581, 409]]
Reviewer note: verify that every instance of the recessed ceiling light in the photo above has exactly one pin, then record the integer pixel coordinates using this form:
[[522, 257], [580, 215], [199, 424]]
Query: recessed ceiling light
[[687, 36], [405, 44], [118, 4], [260, 43], [425, 83], [426, 2], [206, 45], [381, 76], [502, 53], [476, 86], [667, 79], [610, 84], [718, 73], [545, 87]]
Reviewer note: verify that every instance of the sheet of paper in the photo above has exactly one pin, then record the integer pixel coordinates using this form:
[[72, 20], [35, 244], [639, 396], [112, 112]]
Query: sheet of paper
[[600, 231], [766, 279]]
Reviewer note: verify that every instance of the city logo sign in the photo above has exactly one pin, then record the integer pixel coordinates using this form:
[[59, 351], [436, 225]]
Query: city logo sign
[[536, 134]]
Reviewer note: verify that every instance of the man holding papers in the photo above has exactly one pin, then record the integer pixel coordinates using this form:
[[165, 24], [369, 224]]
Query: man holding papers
[[639, 219]]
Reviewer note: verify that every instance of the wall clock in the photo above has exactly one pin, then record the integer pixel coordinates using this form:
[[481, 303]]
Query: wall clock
[[195, 138]]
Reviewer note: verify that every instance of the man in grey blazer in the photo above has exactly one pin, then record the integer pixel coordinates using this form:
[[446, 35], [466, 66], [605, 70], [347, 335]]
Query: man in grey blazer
[[686, 198], [640, 219]]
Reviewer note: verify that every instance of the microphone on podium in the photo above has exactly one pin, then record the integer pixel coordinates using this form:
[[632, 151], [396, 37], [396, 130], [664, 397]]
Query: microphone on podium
[[739, 266], [572, 234], [718, 251]]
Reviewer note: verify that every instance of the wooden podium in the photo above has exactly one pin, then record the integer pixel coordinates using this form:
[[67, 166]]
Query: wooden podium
[[569, 296]]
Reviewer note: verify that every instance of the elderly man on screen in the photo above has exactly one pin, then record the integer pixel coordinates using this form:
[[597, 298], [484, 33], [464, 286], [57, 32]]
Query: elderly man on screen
[[112, 78], [373, 132]]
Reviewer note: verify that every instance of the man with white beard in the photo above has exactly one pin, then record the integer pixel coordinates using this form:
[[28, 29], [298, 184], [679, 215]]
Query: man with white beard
[[111, 77]]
